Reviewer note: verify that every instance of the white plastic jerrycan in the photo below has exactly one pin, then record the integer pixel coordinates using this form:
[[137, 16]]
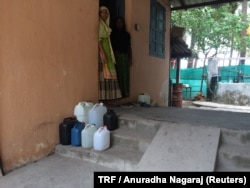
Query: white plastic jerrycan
[[81, 111], [101, 139], [96, 114], [144, 98], [87, 136]]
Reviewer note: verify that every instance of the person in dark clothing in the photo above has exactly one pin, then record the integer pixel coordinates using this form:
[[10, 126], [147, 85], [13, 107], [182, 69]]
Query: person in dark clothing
[[121, 43]]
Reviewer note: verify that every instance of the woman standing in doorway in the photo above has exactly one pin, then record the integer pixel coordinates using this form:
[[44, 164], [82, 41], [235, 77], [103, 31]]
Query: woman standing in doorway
[[121, 43], [108, 85]]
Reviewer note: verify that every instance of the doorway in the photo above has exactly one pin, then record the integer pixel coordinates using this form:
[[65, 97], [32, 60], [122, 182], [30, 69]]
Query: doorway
[[109, 89]]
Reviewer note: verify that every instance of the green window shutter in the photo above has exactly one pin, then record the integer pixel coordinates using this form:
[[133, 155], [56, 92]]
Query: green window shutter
[[157, 29]]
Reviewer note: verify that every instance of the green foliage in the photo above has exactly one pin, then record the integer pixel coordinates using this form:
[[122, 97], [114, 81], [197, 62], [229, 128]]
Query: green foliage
[[214, 28]]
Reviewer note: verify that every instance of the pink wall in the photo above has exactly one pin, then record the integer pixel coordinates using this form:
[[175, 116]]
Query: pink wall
[[48, 59], [48, 63], [148, 74]]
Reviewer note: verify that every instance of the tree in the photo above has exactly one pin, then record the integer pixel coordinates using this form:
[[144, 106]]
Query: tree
[[243, 33], [213, 28]]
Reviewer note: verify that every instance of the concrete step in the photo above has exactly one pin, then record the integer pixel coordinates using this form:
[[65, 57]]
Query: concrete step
[[233, 158], [128, 143], [115, 157], [237, 137], [137, 140], [138, 124], [233, 151]]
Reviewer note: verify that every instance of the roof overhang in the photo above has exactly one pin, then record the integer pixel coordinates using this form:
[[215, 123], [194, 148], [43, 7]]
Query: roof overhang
[[188, 4]]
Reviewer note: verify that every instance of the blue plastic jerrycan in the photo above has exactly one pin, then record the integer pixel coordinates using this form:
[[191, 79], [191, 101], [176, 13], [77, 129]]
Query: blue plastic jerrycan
[[76, 133]]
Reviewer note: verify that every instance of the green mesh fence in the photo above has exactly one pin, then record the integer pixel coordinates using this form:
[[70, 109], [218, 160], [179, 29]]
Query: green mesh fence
[[193, 77]]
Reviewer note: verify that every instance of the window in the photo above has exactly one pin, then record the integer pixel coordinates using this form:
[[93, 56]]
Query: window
[[157, 29]]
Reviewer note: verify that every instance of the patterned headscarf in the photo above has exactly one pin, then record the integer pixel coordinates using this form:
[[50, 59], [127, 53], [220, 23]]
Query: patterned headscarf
[[104, 29]]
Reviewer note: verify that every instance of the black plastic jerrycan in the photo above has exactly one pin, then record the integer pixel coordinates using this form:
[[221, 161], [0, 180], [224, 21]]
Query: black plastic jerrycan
[[110, 119], [65, 130]]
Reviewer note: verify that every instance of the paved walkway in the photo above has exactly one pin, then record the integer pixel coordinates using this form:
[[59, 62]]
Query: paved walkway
[[53, 172], [220, 107]]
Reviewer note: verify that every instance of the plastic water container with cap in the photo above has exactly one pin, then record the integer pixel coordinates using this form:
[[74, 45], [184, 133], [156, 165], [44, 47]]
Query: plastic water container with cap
[[76, 133], [81, 111], [144, 98], [96, 113], [110, 119], [88, 135], [101, 139], [65, 130]]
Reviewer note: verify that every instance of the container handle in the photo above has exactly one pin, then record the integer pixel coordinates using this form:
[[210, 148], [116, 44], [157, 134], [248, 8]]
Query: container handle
[[84, 103], [95, 105], [78, 124], [89, 103], [87, 126], [69, 119], [102, 128]]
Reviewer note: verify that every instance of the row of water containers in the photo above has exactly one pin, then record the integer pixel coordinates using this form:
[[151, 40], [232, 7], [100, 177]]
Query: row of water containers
[[90, 127]]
